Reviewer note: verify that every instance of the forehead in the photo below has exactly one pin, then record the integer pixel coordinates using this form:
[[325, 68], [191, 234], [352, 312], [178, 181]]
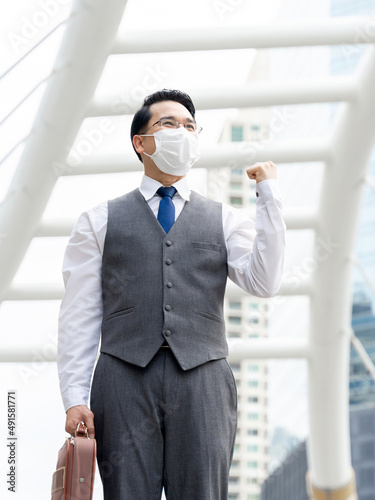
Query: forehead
[[169, 108]]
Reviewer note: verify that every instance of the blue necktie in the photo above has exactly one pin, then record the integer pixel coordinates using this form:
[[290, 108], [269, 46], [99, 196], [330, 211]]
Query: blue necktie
[[166, 208]]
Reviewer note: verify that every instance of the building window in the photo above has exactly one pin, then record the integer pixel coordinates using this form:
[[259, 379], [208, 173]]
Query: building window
[[254, 127], [253, 320], [234, 320], [252, 465], [235, 305], [237, 133], [253, 399], [236, 200], [236, 367], [234, 480], [234, 335], [252, 448], [366, 477], [252, 432], [237, 171], [253, 416], [236, 186], [253, 383], [253, 368]]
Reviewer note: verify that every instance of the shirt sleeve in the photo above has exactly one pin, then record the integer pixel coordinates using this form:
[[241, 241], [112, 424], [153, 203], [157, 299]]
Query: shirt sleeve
[[256, 249], [81, 309]]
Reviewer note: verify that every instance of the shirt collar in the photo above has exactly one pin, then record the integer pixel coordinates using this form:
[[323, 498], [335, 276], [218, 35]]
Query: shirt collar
[[149, 187]]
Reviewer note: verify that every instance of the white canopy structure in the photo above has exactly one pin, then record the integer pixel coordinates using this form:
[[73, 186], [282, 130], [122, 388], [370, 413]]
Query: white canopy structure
[[90, 37]]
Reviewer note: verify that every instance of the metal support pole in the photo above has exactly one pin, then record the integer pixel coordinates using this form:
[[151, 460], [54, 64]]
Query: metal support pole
[[89, 36], [329, 443]]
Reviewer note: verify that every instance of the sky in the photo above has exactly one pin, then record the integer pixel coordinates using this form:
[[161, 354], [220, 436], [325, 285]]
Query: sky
[[40, 416]]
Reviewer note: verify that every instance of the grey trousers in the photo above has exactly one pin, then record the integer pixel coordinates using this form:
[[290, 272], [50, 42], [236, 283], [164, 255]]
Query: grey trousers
[[161, 426]]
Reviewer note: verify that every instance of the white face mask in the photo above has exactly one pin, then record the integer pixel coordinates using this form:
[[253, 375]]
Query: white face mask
[[176, 150]]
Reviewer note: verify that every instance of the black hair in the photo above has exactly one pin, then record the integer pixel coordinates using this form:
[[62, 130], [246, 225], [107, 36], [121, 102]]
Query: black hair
[[143, 115]]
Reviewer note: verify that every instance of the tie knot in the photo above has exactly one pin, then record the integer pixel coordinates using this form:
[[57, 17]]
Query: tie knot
[[167, 191]]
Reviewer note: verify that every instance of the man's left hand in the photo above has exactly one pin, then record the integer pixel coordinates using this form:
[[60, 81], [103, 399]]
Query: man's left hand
[[261, 171]]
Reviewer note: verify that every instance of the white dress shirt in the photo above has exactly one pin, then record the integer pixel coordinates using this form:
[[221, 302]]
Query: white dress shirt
[[255, 259]]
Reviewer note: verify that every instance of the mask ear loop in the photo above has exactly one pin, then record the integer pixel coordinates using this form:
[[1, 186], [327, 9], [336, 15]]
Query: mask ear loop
[[147, 135]]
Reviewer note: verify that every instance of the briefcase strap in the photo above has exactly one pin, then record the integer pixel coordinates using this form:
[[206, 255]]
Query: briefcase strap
[[82, 430]]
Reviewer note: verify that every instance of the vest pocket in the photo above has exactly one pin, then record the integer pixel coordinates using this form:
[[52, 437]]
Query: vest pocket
[[210, 316], [207, 246], [128, 310]]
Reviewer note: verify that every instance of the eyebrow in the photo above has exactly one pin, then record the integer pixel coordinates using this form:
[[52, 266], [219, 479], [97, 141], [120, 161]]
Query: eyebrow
[[189, 120]]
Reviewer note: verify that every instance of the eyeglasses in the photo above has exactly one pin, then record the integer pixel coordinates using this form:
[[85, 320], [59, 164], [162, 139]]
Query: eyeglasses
[[170, 123]]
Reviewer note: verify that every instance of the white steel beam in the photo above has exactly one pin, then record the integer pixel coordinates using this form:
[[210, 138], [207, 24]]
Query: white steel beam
[[234, 154], [89, 35], [301, 218], [257, 94], [330, 313], [258, 36], [29, 355], [280, 348], [270, 348], [35, 291]]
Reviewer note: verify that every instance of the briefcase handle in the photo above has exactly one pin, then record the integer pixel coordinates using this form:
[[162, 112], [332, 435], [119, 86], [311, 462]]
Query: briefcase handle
[[82, 430]]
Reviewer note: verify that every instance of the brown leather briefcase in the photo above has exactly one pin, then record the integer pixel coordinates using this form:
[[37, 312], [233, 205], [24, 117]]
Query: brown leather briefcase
[[75, 469]]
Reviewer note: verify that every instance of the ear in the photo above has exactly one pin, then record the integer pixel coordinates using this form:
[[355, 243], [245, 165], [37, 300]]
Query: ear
[[138, 143]]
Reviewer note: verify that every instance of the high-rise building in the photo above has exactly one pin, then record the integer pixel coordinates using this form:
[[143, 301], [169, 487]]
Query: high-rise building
[[288, 482], [246, 315], [362, 384]]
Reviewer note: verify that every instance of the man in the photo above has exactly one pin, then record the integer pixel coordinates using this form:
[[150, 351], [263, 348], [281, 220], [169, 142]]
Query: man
[[145, 274]]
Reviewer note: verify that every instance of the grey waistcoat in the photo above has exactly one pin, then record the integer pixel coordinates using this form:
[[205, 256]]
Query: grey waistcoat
[[159, 286]]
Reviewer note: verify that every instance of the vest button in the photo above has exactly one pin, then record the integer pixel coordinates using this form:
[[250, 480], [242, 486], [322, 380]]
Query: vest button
[[168, 333], [168, 243], [168, 262], [167, 307], [169, 284]]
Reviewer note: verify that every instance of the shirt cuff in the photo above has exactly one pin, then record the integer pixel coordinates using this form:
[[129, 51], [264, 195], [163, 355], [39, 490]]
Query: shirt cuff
[[268, 190], [74, 397]]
